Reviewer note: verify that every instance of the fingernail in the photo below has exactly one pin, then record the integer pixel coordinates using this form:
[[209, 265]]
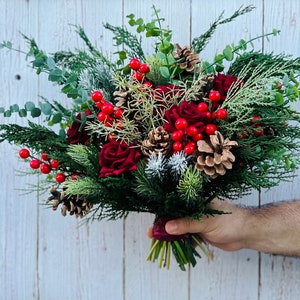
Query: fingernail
[[171, 227]]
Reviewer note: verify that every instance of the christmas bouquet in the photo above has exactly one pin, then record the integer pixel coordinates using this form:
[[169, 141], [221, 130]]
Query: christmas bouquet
[[163, 133]]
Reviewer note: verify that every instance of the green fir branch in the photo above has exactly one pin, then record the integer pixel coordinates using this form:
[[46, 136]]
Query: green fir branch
[[199, 43], [129, 40]]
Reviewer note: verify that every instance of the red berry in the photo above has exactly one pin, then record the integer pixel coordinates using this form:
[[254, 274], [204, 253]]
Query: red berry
[[189, 148], [118, 113], [102, 116], [258, 131], [208, 115], [45, 168], [97, 96], [138, 76], [45, 156], [214, 96], [144, 68], [177, 135], [177, 146], [210, 129], [34, 164], [75, 176], [134, 63], [279, 85], [108, 121], [107, 108], [24, 153], [181, 123], [202, 107], [221, 114], [54, 163], [100, 103], [148, 83], [197, 137], [191, 130], [60, 177], [255, 119]]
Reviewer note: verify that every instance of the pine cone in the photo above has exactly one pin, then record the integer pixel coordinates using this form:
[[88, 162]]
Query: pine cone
[[188, 60], [121, 97], [214, 156], [158, 142], [75, 204]]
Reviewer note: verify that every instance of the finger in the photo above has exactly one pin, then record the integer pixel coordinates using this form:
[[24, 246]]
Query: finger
[[184, 225], [149, 232]]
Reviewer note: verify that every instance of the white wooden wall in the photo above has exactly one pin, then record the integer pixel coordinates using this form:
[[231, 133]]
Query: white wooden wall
[[45, 256]]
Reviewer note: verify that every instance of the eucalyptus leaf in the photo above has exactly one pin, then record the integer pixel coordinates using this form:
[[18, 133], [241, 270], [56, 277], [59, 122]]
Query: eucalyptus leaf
[[46, 108], [228, 53], [22, 113], [36, 112], [56, 118], [29, 106], [165, 72]]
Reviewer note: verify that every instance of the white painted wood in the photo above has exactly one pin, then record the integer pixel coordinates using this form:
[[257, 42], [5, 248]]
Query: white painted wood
[[46, 256]]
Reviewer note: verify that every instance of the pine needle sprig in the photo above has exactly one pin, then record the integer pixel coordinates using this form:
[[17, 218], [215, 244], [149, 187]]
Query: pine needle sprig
[[199, 43], [254, 59], [35, 136], [87, 157], [92, 49], [146, 187], [190, 185], [98, 76], [129, 40]]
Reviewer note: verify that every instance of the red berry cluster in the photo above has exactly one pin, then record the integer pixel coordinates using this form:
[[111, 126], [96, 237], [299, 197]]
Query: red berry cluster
[[44, 164], [257, 128], [220, 114], [139, 69], [185, 137], [107, 111]]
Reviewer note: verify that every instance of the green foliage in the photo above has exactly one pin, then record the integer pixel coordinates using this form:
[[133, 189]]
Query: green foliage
[[190, 185], [199, 43], [229, 53]]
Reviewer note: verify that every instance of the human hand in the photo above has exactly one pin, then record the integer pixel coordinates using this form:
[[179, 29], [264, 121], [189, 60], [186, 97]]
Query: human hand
[[224, 231]]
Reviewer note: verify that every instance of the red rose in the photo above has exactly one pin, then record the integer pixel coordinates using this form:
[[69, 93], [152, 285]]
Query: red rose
[[77, 135], [186, 110], [222, 83], [117, 157]]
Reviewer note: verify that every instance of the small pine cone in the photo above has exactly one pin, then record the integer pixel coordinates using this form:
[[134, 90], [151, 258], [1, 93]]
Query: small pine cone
[[188, 60], [121, 97], [158, 142], [74, 204], [204, 85], [214, 156]]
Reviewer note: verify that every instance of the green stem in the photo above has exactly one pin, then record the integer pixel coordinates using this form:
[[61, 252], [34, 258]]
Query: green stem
[[162, 254], [198, 241], [181, 253], [168, 258], [240, 47], [152, 249]]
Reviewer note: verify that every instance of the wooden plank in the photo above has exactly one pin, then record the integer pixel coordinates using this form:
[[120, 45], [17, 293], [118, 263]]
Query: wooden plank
[[18, 215], [74, 261], [279, 278]]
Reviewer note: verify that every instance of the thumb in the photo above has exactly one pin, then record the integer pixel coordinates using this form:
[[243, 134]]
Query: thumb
[[183, 225]]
